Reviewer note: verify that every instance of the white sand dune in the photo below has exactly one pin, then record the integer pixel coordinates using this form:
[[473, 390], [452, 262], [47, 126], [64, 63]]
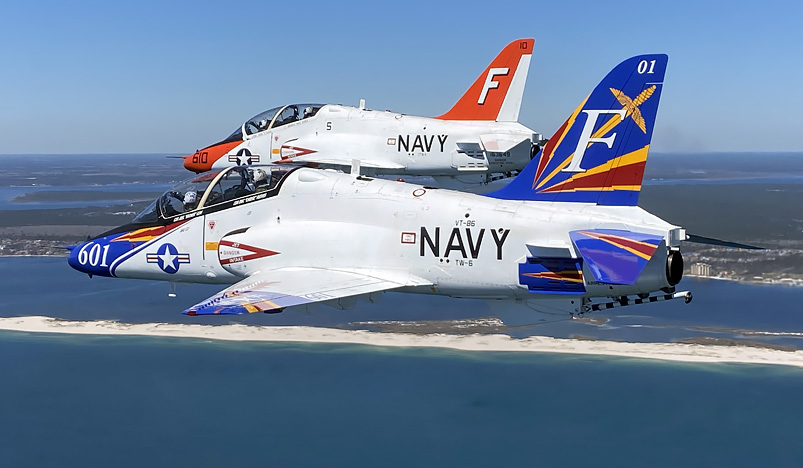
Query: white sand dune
[[477, 342]]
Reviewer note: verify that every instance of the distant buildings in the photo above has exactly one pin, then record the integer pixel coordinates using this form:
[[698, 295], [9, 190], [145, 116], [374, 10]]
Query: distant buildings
[[701, 269]]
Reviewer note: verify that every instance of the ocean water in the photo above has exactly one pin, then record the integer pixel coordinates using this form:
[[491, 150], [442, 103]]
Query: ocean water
[[69, 400], [110, 401]]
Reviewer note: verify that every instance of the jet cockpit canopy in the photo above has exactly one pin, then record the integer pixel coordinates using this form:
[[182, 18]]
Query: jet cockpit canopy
[[211, 189], [273, 118]]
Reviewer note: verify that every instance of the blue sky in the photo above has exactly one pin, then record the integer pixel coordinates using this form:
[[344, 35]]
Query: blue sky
[[117, 77]]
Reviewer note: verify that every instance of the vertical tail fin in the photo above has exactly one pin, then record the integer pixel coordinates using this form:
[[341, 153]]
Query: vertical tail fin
[[497, 93], [598, 155]]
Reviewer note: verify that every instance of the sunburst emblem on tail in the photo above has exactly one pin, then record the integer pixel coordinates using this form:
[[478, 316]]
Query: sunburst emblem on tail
[[631, 105]]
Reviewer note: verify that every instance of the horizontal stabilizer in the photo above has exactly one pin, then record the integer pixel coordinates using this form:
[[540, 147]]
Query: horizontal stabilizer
[[273, 290], [500, 143], [615, 256], [718, 242], [551, 250]]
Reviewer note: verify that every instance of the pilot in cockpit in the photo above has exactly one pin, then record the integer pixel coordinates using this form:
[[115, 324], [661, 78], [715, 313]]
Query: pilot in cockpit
[[260, 179], [308, 112], [266, 180], [294, 116], [190, 200]]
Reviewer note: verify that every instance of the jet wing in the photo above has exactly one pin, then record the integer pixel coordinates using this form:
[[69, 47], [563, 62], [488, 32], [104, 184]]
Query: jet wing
[[273, 290]]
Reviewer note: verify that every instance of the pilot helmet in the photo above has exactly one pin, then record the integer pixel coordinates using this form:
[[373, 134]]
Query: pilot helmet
[[263, 123], [307, 111], [259, 176], [190, 198]]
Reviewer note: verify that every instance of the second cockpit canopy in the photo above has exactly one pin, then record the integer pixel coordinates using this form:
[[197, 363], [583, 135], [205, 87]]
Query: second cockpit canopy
[[273, 118], [211, 189]]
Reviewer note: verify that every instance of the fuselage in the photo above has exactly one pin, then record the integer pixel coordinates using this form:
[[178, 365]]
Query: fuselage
[[384, 142], [460, 244]]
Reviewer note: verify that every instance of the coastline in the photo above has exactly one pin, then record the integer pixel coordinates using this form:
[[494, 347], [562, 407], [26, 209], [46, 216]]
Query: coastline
[[35, 255], [678, 352], [742, 281]]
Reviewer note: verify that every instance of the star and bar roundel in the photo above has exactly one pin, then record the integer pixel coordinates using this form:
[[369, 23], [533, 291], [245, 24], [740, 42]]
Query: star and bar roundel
[[168, 258]]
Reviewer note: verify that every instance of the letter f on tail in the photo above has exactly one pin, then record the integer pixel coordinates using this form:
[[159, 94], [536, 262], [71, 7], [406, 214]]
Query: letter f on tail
[[598, 155], [497, 93]]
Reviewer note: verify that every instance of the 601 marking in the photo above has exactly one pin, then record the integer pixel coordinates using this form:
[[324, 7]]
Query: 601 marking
[[94, 255]]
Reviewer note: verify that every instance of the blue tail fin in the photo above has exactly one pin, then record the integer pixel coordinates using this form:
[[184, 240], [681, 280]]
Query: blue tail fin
[[598, 155]]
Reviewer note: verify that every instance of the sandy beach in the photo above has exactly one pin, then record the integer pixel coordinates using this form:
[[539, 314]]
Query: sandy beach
[[476, 342]]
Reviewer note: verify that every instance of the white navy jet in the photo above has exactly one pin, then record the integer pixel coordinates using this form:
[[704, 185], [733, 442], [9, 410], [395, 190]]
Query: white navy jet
[[480, 135], [565, 232]]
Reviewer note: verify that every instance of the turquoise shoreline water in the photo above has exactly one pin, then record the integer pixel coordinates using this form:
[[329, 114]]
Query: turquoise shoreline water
[[72, 400]]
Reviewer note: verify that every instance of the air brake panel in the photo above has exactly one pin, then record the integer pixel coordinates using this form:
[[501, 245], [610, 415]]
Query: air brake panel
[[552, 275]]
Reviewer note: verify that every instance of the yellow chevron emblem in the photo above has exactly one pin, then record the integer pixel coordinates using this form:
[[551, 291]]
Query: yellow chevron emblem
[[630, 106]]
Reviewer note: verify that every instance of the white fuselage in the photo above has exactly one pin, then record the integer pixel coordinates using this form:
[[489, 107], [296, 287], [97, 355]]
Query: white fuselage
[[390, 143], [461, 244]]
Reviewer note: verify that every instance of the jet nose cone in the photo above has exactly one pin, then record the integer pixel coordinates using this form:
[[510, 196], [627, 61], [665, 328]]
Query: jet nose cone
[[195, 163], [72, 258], [79, 257], [98, 256], [202, 160]]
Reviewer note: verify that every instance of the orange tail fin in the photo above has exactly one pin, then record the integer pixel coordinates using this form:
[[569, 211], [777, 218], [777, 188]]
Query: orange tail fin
[[497, 93]]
